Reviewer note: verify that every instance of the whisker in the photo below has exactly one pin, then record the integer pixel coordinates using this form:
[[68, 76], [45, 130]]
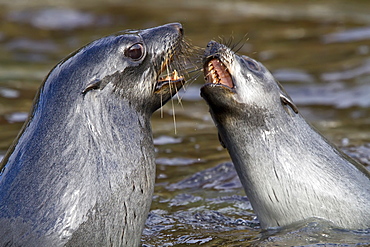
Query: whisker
[[179, 99], [231, 40], [240, 43], [161, 106], [177, 91], [222, 39], [234, 46], [172, 104], [187, 60], [196, 76], [195, 70], [173, 112], [191, 80]]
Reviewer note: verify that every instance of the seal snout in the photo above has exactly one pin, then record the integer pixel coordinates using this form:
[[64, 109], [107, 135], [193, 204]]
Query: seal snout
[[179, 28], [172, 78], [168, 79], [216, 72], [167, 74]]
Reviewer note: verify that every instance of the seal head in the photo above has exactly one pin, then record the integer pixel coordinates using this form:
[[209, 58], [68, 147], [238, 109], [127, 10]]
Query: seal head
[[82, 171], [146, 56], [289, 172]]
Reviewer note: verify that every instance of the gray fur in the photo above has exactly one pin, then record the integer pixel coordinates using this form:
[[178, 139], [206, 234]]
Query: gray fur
[[82, 171], [288, 170]]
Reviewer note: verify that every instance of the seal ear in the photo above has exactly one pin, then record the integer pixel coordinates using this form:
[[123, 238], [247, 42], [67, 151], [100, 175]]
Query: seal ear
[[221, 141], [287, 101], [92, 86]]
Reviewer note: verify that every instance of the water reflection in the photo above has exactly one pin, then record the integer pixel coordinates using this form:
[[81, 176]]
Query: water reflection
[[351, 35], [349, 74], [52, 18], [9, 93]]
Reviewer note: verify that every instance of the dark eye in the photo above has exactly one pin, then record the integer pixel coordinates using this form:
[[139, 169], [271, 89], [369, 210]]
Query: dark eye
[[135, 51], [252, 65]]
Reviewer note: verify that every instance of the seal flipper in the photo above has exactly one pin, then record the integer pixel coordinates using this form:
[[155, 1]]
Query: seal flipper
[[286, 101]]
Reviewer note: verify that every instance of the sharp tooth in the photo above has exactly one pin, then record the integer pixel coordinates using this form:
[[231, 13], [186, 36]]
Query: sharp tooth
[[175, 75], [214, 76]]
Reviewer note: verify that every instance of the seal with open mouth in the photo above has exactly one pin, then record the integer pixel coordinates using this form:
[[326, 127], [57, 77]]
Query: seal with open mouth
[[288, 170], [82, 171]]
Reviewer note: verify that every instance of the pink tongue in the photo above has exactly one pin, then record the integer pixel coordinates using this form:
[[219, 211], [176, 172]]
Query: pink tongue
[[222, 72]]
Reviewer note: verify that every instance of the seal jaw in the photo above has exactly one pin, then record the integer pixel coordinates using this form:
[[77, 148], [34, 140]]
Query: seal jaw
[[216, 72], [168, 84], [219, 88], [168, 80]]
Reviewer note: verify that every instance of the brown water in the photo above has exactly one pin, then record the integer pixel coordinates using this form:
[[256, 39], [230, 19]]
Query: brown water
[[319, 50]]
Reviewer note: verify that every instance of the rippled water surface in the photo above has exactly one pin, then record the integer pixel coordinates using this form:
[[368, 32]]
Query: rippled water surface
[[318, 50]]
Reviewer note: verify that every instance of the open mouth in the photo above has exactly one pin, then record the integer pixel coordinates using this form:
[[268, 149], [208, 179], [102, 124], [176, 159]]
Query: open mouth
[[216, 72], [168, 78]]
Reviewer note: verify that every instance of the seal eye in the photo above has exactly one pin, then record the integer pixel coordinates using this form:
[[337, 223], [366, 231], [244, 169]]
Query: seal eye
[[252, 65], [135, 51]]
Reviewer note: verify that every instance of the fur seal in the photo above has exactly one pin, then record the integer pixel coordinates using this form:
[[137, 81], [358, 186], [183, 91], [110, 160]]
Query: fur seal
[[82, 171], [289, 171]]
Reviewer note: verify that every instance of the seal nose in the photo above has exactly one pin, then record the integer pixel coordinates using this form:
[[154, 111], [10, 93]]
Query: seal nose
[[179, 28], [211, 43], [212, 48]]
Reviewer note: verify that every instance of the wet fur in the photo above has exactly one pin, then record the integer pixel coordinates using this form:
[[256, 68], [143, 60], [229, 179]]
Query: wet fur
[[82, 171], [288, 170]]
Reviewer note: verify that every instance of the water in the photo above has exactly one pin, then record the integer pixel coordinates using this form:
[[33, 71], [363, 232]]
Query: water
[[319, 51]]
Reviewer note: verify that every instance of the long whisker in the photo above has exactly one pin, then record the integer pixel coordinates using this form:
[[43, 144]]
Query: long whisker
[[195, 77], [189, 81], [172, 104], [176, 89], [195, 70], [173, 112], [242, 41], [186, 60], [161, 106], [231, 39], [178, 96], [237, 46]]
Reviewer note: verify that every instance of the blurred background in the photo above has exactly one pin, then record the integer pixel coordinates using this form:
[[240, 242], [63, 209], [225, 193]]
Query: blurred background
[[318, 50]]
